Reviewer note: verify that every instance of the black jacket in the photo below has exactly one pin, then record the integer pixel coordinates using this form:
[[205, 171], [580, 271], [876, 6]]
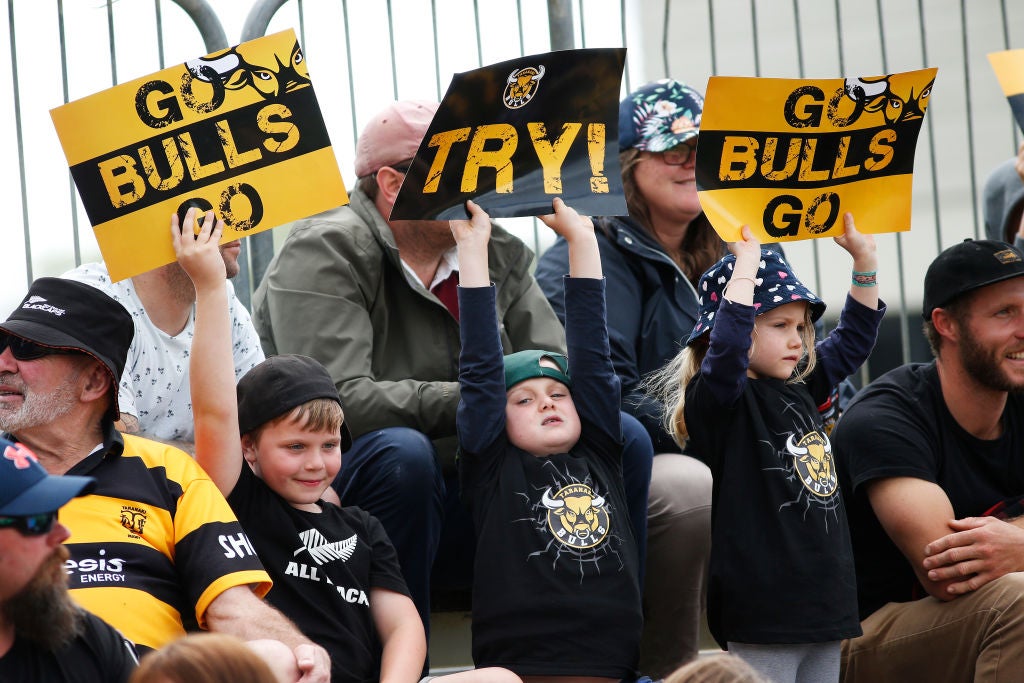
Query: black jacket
[[652, 308]]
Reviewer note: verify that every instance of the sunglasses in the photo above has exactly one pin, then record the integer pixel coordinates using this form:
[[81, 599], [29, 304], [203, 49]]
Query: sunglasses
[[30, 525], [23, 349]]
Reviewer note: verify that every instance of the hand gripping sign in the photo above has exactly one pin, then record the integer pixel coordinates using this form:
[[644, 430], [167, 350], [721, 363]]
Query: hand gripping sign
[[790, 157], [238, 131], [514, 135]]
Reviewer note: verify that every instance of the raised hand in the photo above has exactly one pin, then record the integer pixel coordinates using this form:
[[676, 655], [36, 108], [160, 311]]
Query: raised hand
[[199, 254]]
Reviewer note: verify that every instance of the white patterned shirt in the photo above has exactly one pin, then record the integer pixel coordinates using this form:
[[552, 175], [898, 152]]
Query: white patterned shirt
[[155, 384]]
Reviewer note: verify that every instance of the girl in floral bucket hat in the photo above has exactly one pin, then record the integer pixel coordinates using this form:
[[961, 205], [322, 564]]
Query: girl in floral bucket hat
[[743, 395]]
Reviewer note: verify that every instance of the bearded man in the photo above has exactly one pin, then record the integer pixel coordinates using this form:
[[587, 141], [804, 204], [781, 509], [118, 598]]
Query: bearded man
[[44, 635], [155, 549], [931, 461]]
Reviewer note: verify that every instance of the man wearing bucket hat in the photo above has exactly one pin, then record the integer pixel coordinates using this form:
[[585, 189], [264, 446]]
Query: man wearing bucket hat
[[930, 456], [156, 536], [44, 635], [374, 300]]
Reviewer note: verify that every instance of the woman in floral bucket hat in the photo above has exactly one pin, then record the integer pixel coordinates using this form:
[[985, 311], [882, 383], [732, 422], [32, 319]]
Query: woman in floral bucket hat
[[782, 592], [652, 259]]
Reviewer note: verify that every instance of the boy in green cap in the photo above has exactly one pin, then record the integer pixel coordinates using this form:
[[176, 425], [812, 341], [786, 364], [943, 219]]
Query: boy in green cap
[[556, 588]]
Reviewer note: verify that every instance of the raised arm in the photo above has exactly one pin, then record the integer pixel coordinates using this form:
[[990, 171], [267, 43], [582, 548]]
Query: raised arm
[[578, 231], [864, 285], [212, 376], [481, 413]]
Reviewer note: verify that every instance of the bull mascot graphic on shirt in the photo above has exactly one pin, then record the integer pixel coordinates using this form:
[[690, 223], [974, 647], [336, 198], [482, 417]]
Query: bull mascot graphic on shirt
[[522, 85], [812, 461], [576, 516]]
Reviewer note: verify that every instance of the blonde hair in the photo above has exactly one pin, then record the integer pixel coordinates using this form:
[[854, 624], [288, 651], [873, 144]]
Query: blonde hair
[[317, 415], [203, 658], [668, 385], [719, 668]]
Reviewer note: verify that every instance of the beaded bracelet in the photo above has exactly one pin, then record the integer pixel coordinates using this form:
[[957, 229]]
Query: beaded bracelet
[[868, 279]]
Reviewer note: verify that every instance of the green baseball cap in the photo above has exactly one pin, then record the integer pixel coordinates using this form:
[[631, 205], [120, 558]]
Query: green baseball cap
[[524, 365]]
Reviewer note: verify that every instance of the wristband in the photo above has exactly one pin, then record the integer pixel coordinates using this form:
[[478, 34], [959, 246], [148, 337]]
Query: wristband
[[734, 279], [865, 279]]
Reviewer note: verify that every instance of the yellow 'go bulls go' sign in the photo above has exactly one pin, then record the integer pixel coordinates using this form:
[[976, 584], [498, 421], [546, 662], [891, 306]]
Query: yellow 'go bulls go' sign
[[238, 131], [789, 157]]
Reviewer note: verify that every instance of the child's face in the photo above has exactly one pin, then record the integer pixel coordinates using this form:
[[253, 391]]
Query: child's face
[[540, 416], [778, 341], [295, 463]]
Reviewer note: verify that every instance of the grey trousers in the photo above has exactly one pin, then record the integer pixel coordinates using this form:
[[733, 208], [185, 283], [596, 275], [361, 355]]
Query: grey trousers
[[678, 548]]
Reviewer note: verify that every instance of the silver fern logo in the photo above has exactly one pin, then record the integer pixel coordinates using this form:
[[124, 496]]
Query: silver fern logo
[[322, 551]]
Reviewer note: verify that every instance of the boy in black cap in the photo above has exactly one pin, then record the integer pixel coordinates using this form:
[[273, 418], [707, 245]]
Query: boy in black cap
[[335, 572], [930, 458], [44, 636], [556, 588]]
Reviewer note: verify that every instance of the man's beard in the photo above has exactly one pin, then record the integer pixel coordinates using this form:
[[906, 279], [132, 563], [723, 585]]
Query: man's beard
[[37, 409], [984, 366], [43, 611]]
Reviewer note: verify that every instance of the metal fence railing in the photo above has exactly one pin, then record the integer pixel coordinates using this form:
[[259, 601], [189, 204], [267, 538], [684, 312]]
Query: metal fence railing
[[363, 53]]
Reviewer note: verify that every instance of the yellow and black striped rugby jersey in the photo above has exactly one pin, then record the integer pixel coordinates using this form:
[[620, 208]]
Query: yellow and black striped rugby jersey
[[155, 543]]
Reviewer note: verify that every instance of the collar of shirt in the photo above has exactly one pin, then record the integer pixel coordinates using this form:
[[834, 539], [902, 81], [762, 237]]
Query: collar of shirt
[[449, 264]]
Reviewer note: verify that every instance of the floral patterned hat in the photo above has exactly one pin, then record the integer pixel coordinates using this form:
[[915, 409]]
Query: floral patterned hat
[[659, 116], [774, 285]]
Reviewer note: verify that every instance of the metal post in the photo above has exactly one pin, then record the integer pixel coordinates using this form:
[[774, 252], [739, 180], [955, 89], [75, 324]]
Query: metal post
[[560, 24]]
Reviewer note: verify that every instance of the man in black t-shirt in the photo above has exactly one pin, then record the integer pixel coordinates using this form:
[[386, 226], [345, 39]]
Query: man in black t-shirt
[[932, 459], [44, 635]]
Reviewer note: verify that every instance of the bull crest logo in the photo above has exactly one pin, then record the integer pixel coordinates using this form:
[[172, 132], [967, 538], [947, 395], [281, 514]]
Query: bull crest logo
[[133, 519], [577, 518], [812, 461], [522, 85]]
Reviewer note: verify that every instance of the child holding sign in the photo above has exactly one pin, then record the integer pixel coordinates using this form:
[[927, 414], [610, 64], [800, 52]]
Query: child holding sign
[[556, 589], [782, 592], [273, 454]]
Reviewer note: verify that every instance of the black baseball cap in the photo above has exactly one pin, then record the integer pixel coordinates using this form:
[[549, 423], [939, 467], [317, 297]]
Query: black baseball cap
[[967, 266], [71, 315], [278, 385]]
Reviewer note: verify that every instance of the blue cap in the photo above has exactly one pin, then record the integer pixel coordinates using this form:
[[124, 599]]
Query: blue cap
[[774, 285], [659, 116], [26, 488]]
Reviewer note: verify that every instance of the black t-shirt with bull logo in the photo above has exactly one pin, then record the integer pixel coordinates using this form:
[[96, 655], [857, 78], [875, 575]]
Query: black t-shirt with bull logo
[[556, 589], [781, 560]]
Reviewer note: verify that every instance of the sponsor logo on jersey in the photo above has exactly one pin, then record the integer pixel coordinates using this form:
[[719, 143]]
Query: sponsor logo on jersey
[[96, 570]]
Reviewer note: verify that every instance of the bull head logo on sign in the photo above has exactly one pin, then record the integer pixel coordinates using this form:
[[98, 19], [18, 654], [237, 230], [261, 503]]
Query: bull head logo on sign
[[233, 72], [522, 85], [897, 101]]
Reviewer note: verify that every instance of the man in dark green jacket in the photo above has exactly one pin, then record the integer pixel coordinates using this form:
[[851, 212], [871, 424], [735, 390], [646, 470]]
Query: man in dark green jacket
[[375, 301]]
